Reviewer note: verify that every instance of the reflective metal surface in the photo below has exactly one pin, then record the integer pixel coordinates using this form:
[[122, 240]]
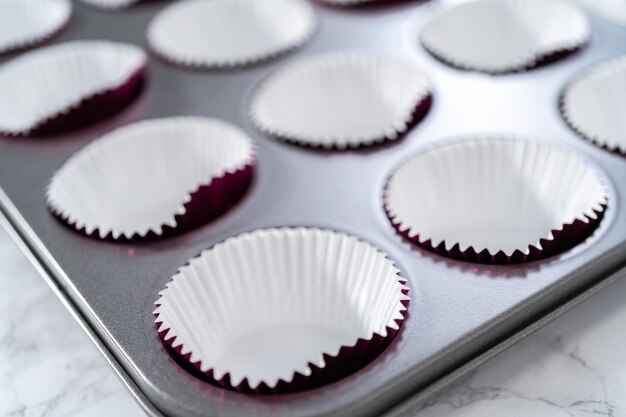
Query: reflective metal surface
[[458, 310]]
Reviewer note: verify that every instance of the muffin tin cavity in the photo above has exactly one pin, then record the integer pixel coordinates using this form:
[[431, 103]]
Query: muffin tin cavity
[[594, 105], [153, 178], [229, 33], [68, 85], [496, 200], [26, 23], [342, 100], [499, 36], [282, 310]]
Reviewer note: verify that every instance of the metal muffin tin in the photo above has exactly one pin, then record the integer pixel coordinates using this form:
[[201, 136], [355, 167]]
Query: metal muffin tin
[[460, 313]]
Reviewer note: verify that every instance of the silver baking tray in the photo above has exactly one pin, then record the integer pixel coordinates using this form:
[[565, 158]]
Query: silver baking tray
[[460, 313]]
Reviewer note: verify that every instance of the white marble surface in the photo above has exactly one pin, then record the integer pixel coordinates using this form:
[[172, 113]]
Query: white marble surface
[[48, 366], [576, 366]]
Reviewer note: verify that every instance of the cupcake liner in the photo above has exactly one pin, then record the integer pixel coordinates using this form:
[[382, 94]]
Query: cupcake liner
[[498, 36], [153, 179], [593, 105], [342, 100], [110, 4], [26, 23], [282, 310], [208, 33], [68, 85], [496, 200]]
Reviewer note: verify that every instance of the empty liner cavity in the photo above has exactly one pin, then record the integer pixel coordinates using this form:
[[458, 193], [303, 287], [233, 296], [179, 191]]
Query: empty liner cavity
[[229, 33], [153, 178], [342, 100], [494, 199], [26, 23], [282, 310], [68, 85], [594, 105], [499, 36]]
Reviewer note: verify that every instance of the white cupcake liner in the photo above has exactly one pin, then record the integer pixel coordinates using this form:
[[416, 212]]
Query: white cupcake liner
[[496, 199], [282, 310], [341, 100], [26, 23], [153, 178], [229, 33], [595, 105], [110, 4], [498, 36], [42, 89]]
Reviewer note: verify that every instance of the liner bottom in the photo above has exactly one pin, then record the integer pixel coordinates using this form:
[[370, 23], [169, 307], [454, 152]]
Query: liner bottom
[[349, 360]]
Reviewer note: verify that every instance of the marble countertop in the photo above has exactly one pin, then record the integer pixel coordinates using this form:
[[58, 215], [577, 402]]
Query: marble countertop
[[575, 366]]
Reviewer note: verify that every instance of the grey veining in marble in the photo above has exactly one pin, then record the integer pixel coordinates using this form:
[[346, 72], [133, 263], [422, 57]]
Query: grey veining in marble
[[576, 366]]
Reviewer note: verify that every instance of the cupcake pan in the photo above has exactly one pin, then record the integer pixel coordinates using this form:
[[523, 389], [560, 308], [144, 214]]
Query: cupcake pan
[[594, 104], [498, 36], [111, 288], [26, 23]]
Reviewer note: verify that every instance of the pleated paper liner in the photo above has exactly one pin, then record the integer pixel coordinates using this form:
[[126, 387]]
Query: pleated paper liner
[[153, 179], [229, 33], [38, 96], [110, 4], [594, 105], [342, 100], [496, 199], [27, 23], [500, 36], [282, 310]]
